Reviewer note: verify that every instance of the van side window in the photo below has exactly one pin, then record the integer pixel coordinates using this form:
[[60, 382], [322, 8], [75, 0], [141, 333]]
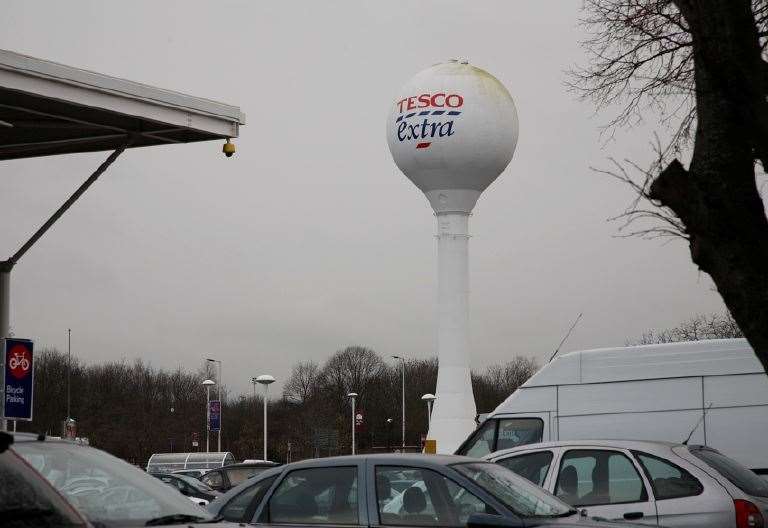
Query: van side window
[[512, 432], [481, 442], [532, 466], [668, 480], [515, 432]]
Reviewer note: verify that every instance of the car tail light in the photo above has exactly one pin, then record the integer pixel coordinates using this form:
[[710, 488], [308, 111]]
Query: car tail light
[[747, 515]]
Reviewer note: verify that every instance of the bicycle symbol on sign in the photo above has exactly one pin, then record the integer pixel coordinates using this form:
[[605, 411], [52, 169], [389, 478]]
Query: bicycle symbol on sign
[[19, 360]]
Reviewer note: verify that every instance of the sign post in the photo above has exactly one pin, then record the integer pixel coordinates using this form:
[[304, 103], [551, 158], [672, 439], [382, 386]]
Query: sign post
[[214, 415], [18, 360]]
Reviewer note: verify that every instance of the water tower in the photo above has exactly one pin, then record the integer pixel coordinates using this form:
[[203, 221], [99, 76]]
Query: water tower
[[452, 130]]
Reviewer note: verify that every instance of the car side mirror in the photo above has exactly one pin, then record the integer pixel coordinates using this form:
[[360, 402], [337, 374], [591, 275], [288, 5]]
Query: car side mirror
[[485, 520]]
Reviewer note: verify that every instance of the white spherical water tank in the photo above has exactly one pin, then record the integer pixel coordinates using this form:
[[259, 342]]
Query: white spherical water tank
[[452, 131], [453, 126]]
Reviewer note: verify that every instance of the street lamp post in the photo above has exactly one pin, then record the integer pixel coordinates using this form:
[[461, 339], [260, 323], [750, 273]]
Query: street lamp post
[[389, 434], [353, 397], [402, 360], [266, 380], [207, 384], [69, 371], [429, 399], [221, 406]]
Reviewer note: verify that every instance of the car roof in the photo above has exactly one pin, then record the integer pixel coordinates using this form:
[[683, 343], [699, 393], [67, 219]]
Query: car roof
[[386, 458], [647, 445], [185, 478], [32, 437], [266, 464]]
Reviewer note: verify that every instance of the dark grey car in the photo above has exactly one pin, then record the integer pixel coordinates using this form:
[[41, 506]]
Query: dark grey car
[[104, 490], [395, 490]]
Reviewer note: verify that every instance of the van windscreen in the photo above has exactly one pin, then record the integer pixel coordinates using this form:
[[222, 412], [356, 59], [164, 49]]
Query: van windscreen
[[502, 433]]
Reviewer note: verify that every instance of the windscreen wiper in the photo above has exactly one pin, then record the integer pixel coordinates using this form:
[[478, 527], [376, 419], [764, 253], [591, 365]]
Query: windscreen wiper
[[178, 518]]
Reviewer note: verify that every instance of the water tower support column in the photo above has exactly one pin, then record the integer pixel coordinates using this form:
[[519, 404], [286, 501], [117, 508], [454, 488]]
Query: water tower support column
[[453, 414]]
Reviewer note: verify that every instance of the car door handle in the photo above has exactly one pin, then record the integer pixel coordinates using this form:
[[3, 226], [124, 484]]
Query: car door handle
[[633, 515]]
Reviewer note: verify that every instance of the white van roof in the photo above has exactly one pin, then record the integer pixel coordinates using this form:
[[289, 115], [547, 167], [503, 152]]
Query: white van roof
[[669, 360]]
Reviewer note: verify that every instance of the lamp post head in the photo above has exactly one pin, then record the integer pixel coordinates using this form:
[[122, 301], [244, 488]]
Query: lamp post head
[[265, 379], [428, 397], [208, 383], [352, 395]]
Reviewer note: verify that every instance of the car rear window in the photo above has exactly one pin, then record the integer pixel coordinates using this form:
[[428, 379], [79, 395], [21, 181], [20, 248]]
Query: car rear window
[[741, 477], [238, 475]]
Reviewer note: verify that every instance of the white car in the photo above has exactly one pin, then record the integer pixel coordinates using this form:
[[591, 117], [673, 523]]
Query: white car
[[653, 483]]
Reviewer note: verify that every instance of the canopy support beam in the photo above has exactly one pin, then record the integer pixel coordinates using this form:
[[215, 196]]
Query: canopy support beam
[[7, 265]]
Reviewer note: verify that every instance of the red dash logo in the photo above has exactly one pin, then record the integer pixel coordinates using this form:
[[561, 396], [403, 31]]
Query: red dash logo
[[423, 145]]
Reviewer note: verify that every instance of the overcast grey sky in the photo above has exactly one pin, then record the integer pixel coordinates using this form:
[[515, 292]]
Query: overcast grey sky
[[310, 239]]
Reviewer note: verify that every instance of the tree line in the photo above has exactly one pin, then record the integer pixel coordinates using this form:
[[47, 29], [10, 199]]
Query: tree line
[[134, 409]]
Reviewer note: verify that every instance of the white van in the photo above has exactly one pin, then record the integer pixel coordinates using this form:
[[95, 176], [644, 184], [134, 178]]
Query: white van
[[649, 392]]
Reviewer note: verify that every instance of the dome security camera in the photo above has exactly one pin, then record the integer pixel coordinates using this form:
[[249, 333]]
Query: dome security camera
[[228, 149]]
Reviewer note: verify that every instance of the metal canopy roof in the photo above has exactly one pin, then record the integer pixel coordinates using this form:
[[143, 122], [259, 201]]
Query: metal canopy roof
[[48, 108]]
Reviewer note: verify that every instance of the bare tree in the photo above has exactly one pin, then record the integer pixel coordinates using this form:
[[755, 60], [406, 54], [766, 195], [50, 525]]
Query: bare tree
[[497, 382], [714, 326], [303, 382], [351, 370], [702, 63]]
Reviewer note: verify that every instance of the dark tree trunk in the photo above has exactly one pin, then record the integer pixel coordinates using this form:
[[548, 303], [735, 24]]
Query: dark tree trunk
[[717, 198]]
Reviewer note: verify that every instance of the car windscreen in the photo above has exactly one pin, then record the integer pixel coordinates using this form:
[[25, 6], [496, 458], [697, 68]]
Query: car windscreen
[[107, 490], [518, 494], [27, 500], [741, 477]]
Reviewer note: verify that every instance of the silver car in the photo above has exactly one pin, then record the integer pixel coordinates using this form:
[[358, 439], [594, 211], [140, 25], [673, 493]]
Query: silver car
[[404, 490], [650, 483]]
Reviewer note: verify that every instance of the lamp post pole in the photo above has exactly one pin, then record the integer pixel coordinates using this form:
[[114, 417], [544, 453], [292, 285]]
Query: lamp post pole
[[221, 405], [69, 372], [353, 396], [266, 380], [5, 300], [402, 361], [207, 384]]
